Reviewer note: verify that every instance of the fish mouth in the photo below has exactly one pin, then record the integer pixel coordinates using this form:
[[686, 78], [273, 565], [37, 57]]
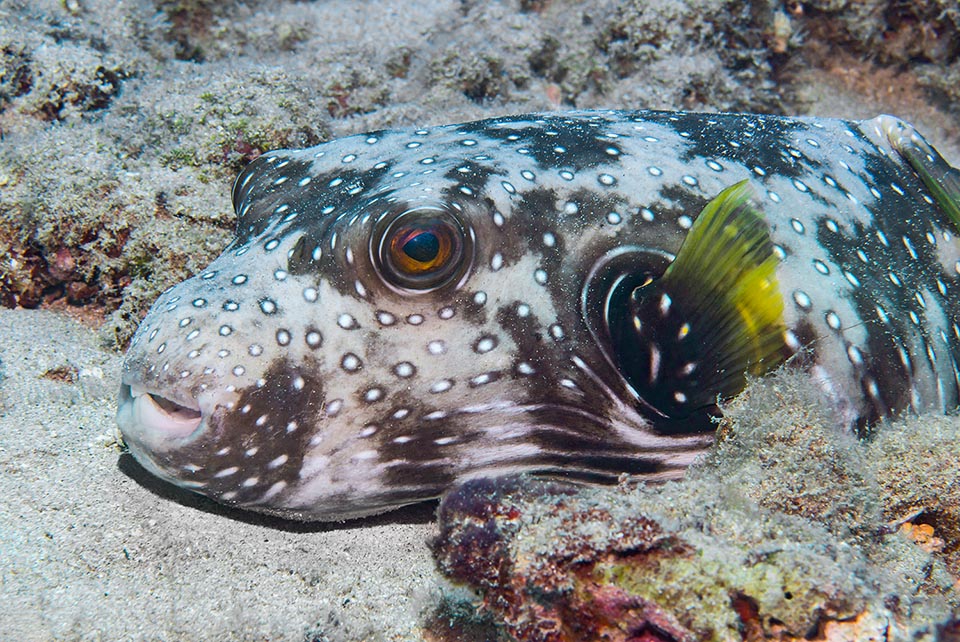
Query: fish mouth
[[152, 417]]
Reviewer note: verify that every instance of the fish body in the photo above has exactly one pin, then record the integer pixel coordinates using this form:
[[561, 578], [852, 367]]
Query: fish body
[[563, 293]]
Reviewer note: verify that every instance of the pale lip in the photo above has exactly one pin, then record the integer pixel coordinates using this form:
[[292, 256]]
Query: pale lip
[[152, 418]]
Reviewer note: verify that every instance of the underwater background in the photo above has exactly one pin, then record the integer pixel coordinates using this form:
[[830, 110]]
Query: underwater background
[[122, 127]]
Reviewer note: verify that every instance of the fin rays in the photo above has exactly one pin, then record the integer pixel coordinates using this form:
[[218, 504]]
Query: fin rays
[[937, 174], [714, 315]]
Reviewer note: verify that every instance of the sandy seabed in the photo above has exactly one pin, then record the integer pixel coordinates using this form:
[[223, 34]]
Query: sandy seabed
[[94, 549]]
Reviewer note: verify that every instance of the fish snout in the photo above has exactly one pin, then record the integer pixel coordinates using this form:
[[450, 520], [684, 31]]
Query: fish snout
[[152, 424]]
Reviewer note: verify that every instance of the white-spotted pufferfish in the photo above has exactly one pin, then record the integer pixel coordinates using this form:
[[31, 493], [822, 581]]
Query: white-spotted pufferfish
[[568, 294]]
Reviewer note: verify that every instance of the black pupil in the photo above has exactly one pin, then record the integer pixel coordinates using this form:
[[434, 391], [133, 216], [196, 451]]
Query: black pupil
[[423, 247]]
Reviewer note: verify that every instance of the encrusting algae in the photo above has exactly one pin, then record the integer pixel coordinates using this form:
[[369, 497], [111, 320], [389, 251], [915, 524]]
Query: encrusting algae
[[783, 533]]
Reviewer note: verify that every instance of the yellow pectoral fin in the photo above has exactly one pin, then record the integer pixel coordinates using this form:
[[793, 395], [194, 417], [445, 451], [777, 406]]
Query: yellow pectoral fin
[[715, 314]]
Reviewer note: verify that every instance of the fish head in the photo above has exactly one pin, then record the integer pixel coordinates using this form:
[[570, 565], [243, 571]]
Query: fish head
[[377, 330]]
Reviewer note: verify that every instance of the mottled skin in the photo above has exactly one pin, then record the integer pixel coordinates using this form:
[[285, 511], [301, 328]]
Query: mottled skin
[[327, 392]]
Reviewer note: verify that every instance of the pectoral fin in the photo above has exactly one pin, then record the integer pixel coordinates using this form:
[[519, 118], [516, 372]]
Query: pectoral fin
[[714, 315]]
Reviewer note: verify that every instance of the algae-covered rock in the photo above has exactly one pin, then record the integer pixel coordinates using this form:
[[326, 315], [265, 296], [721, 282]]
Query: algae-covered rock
[[917, 464], [782, 532], [799, 459]]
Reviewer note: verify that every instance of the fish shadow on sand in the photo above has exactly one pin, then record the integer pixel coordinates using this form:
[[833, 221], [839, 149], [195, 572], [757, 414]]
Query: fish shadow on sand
[[421, 513]]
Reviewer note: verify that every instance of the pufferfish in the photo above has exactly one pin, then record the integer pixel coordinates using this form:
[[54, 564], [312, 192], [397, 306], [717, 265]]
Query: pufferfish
[[566, 294]]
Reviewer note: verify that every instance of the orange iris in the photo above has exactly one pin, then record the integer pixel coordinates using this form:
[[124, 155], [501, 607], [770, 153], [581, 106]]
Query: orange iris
[[422, 248]]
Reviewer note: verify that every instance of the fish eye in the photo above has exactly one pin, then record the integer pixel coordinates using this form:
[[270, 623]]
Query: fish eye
[[422, 249]]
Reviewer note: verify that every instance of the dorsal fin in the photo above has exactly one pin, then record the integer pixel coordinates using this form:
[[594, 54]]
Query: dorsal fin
[[942, 179]]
